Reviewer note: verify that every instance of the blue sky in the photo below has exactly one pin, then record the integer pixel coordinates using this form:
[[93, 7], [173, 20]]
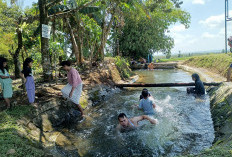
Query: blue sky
[[24, 3], [206, 30]]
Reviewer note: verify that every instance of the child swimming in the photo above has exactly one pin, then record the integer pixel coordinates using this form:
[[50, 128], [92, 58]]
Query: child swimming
[[147, 103]]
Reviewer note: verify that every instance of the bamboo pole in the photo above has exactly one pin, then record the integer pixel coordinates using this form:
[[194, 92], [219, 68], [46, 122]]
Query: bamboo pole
[[165, 84]]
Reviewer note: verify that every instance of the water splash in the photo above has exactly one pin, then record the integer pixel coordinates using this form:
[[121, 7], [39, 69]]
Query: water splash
[[185, 125]]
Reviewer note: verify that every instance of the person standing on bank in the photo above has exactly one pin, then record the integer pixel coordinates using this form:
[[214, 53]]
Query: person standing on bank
[[73, 89], [28, 78], [6, 81]]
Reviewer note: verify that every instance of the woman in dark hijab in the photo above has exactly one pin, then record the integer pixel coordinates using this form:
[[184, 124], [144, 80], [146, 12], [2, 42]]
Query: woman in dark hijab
[[199, 86]]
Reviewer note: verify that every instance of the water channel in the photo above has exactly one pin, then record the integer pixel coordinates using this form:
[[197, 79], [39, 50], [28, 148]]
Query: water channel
[[185, 125]]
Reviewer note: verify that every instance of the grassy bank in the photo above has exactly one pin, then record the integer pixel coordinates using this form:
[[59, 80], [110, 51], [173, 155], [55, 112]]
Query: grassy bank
[[217, 63], [12, 142], [174, 59]]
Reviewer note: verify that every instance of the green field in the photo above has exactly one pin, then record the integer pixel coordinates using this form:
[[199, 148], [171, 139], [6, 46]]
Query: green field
[[176, 57]]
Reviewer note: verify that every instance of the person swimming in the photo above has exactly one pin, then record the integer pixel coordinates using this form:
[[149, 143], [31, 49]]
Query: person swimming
[[199, 86], [141, 96], [147, 104], [128, 124]]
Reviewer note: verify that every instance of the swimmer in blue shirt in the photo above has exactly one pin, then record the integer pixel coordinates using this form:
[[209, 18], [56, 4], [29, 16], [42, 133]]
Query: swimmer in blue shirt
[[147, 104]]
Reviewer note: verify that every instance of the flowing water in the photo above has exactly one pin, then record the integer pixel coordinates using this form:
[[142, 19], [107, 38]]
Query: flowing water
[[185, 125]]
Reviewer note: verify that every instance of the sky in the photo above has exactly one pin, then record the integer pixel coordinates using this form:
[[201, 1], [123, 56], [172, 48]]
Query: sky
[[206, 32], [207, 28]]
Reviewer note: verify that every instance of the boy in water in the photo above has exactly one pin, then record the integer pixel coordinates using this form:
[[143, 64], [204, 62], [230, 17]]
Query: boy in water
[[126, 124], [199, 86], [147, 103], [141, 96]]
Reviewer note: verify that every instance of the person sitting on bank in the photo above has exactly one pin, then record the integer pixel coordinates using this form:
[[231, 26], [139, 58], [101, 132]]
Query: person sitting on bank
[[147, 103], [73, 89], [199, 86], [128, 124]]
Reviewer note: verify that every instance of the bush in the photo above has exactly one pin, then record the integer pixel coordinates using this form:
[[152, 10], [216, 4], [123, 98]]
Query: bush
[[123, 67]]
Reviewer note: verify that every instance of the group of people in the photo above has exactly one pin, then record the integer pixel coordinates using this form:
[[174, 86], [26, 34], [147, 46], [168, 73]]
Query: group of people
[[6, 80], [71, 91], [147, 104]]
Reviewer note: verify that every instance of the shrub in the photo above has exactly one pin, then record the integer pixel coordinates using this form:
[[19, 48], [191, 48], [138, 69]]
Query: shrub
[[123, 67]]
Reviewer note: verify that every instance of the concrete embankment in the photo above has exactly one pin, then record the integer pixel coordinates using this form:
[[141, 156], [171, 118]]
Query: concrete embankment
[[221, 110]]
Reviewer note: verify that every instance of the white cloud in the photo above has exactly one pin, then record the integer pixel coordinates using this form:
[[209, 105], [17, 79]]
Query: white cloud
[[178, 33], [202, 2], [208, 35], [178, 28], [215, 21]]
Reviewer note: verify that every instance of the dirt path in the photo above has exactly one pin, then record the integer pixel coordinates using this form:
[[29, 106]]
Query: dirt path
[[206, 75]]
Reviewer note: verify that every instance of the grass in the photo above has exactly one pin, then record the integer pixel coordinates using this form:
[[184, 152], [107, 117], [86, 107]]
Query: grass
[[218, 63], [174, 59], [221, 150], [9, 134]]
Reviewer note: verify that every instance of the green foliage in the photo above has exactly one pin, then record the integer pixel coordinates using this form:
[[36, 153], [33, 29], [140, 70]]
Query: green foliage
[[9, 134], [138, 28], [8, 23], [168, 56], [145, 33], [123, 67]]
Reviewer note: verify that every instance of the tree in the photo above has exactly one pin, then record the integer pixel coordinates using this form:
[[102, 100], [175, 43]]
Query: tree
[[168, 56], [145, 32], [57, 8], [11, 19]]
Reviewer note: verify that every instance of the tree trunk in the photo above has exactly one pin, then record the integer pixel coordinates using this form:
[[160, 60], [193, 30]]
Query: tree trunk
[[44, 41], [17, 52], [101, 48], [79, 39], [105, 33], [80, 44], [74, 43]]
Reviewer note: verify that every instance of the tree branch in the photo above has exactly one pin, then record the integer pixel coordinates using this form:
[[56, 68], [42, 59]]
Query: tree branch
[[73, 10], [30, 19], [10, 52], [53, 3]]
